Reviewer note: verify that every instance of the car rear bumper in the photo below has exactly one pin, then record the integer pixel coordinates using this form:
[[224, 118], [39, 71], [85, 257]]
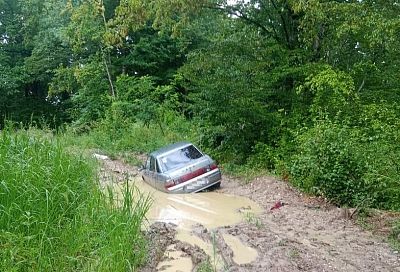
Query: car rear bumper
[[197, 184]]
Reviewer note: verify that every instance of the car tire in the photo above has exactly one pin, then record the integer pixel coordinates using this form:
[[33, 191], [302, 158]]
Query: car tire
[[216, 186]]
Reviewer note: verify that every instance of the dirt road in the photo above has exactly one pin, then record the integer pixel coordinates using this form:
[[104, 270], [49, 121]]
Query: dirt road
[[305, 234]]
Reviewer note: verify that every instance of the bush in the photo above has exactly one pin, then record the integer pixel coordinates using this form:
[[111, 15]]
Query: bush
[[328, 164], [379, 138], [263, 157], [352, 165]]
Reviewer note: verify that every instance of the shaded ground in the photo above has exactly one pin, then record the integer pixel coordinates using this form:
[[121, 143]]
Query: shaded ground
[[306, 234]]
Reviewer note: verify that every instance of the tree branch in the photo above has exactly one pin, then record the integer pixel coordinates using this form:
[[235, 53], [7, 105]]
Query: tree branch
[[240, 14], [284, 25]]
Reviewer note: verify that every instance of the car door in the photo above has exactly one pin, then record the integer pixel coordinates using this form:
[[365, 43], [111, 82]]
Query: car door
[[148, 172], [152, 172], [161, 177]]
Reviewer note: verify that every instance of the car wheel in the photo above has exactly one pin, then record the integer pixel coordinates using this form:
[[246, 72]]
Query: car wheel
[[216, 186]]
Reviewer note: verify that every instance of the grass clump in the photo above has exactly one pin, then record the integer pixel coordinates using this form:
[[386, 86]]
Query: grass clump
[[53, 216]]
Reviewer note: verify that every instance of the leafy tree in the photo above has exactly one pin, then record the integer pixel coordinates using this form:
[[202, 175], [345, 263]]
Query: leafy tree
[[147, 52], [26, 71], [358, 37]]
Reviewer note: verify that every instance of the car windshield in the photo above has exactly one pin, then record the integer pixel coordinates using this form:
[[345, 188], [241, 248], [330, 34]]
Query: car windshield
[[180, 157]]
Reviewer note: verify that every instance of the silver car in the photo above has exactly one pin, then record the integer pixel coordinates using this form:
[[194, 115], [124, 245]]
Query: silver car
[[181, 168]]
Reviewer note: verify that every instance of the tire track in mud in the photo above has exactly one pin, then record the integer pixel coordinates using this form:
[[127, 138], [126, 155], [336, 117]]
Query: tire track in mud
[[307, 234]]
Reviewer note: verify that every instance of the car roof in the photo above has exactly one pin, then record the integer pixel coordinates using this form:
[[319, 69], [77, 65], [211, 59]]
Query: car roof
[[169, 148]]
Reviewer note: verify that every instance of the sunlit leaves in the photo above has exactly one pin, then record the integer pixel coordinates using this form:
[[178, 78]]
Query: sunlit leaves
[[333, 92], [86, 29]]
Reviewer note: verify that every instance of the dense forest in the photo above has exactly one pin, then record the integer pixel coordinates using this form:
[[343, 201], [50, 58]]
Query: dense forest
[[307, 89]]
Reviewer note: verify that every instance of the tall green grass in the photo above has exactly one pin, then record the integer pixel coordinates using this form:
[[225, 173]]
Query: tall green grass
[[53, 216]]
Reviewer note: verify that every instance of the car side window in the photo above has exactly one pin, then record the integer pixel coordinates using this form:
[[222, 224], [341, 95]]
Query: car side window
[[152, 164], [148, 163], [158, 167]]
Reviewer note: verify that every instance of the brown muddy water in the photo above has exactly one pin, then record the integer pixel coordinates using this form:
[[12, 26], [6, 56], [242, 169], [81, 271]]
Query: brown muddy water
[[209, 209]]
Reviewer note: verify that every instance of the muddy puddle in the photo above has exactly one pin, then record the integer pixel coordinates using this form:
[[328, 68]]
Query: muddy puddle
[[207, 210]]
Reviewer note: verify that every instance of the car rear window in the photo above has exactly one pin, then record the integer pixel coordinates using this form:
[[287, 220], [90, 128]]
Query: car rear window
[[180, 158]]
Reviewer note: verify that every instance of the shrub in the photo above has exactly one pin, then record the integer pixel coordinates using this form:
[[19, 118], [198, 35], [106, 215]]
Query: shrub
[[263, 157], [328, 164], [352, 165]]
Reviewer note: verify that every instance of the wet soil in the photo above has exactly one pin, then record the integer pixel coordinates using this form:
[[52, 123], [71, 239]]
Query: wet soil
[[304, 234]]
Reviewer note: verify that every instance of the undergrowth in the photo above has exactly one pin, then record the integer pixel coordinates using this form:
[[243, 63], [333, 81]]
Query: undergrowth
[[349, 166], [53, 216], [119, 136]]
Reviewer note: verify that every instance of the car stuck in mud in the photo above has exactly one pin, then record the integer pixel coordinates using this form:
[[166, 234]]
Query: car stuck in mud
[[181, 168]]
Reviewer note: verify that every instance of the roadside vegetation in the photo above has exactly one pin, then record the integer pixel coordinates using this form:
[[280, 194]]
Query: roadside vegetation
[[306, 90], [53, 216]]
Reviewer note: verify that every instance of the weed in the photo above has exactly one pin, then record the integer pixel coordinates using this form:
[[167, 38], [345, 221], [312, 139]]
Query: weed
[[246, 172], [282, 242], [129, 138], [205, 266], [293, 253], [254, 220]]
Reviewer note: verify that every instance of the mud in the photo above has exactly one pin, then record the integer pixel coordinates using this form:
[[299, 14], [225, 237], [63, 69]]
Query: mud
[[210, 209], [240, 254], [306, 234]]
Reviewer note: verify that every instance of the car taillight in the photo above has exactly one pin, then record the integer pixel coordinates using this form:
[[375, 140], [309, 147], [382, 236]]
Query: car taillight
[[173, 182], [213, 166], [169, 183]]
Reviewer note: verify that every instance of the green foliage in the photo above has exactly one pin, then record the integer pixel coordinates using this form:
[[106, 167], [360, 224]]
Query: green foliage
[[357, 37], [263, 156], [86, 28], [149, 52], [53, 215], [351, 165], [327, 164], [117, 135], [205, 266], [64, 82], [140, 99], [240, 83], [93, 98], [30, 48], [379, 134], [332, 91], [252, 219]]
